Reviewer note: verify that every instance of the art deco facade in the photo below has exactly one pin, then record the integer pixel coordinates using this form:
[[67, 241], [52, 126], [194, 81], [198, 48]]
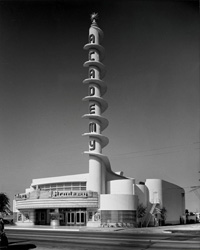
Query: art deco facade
[[100, 197]]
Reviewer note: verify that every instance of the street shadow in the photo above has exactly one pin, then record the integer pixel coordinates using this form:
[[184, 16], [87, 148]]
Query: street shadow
[[19, 246]]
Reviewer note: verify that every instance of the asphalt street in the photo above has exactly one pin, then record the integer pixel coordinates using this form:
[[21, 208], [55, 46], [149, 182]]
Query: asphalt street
[[44, 238]]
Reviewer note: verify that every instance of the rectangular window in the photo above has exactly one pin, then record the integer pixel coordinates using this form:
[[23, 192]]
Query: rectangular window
[[83, 184], [68, 218], [83, 217], [70, 186], [59, 186], [78, 217], [72, 217]]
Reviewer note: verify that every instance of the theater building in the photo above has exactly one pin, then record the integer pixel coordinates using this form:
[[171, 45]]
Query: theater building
[[100, 197]]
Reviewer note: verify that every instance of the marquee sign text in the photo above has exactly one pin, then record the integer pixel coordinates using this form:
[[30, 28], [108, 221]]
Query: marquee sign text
[[63, 194]]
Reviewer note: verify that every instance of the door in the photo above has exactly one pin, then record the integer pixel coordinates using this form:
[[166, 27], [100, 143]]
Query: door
[[71, 220], [41, 217], [80, 218]]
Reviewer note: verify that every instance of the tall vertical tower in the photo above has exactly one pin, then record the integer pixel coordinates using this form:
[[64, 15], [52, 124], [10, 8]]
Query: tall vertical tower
[[97, 105]]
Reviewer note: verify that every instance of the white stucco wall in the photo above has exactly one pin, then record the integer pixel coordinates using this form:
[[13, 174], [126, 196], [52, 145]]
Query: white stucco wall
[[155, 190], [168, 195], [15, 210], [118, 202], [124, 186], [103, 179], [94, 181], [173, 201], [143, 194]]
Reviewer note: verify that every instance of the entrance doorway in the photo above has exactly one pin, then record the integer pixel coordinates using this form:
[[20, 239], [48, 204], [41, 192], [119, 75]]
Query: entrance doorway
[[80, 218], [41, 217], [71, 218], [76, 218]]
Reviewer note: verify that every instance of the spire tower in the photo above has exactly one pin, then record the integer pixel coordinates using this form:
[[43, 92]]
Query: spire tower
[[97, 105]]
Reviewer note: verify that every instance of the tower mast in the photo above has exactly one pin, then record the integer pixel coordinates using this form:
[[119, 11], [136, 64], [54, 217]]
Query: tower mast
[[97, 105]]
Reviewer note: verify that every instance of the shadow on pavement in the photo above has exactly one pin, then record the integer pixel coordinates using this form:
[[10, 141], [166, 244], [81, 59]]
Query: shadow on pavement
[[19, 246]]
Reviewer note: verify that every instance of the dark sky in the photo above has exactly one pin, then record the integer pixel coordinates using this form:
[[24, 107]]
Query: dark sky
[[152, 62]]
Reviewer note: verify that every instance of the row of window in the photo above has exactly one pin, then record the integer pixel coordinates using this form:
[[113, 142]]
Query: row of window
[[69, 186]]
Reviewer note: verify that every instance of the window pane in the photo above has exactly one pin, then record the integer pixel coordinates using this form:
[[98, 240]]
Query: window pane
[[59, 185], [82, 217], [72, 217], [68, 217], [78, 217]]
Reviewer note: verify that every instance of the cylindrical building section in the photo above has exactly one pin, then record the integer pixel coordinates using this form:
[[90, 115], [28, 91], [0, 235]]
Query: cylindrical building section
[[94, 126], [94, 90], [155, 190], [124, 186], [143, 194], [94, 108], [93, 72], [118, 208], [94, 182], [97, 105], [93, 55], [94, 145], [95, 33]]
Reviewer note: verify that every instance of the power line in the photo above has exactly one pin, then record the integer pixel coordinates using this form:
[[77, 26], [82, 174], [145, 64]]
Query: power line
[[155, 149]]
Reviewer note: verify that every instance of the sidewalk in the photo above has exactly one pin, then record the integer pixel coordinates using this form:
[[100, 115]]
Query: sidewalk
[[163, 229]]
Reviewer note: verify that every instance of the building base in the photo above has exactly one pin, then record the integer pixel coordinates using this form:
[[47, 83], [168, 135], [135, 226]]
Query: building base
[[118, 218]]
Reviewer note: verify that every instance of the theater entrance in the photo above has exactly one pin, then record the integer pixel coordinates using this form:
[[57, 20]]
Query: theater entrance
[[76, 217]]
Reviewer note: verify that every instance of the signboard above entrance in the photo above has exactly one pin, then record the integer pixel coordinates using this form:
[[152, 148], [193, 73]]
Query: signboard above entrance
[[75, 194]]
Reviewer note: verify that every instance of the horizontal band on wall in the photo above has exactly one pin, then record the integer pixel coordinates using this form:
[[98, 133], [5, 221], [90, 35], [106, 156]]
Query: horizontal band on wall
[[118, 216]]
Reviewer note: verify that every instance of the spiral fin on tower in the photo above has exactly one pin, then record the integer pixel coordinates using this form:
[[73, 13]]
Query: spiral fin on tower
[[99, 82], [97, 105]]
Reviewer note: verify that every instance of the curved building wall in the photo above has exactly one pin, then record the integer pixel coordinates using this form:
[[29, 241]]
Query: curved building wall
[[155, 190], [103, 179], [94, 182], [118, 202], [124, 186], [118, 208], [143, 194]]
